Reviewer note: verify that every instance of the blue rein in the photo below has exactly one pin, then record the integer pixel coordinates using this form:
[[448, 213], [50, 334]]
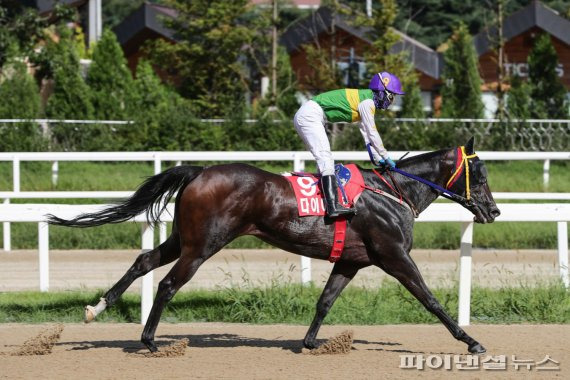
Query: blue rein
[[444, 192]]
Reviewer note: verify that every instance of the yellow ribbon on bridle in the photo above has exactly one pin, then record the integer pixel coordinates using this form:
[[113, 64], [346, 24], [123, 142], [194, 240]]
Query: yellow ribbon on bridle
[[464, 162]]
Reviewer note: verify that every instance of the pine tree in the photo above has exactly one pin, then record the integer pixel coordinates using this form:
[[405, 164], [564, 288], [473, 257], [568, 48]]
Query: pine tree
[[20, 100], [518, 99], [461, 93], [110, 80], [71, 97], [548, 94], [150, 102]]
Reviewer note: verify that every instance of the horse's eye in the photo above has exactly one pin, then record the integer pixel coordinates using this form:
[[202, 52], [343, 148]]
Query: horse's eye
[[479, 172]]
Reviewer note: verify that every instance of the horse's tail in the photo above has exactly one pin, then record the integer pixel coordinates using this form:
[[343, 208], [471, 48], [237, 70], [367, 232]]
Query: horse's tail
[[151, 197]]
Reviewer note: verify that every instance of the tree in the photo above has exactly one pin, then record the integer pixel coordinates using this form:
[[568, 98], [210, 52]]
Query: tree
[[518, 99], [21, 28], [548, 94], [432, 21], [412, 103], [324, 73], [110, 80], [20, 100], [205, 63], [266, 59], [151, 100], [461, 93], [71, 96], [383, 36]]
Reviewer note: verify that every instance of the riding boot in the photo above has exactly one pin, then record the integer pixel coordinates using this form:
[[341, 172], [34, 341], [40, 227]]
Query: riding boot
[[330, 195]]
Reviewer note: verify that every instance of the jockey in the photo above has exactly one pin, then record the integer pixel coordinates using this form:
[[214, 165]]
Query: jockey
[[348, 105]]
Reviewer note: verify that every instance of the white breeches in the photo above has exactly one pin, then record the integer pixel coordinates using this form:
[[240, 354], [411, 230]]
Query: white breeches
[[310, 123]]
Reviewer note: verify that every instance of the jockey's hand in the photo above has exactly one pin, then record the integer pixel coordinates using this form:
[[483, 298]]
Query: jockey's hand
[[387, 162]]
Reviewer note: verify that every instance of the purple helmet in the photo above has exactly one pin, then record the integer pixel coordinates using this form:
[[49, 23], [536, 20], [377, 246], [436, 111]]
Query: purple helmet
[[386, 81]]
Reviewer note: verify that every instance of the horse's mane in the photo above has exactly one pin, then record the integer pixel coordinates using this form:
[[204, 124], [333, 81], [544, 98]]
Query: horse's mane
[[422, 157]]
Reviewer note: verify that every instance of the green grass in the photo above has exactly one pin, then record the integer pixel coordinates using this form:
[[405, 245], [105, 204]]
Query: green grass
[[512, 176], [295, 304]]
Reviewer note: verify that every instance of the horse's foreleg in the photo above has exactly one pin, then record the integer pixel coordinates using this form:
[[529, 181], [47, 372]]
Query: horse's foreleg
[[339, 278], [403, 268], [145, 262], [180, 274]]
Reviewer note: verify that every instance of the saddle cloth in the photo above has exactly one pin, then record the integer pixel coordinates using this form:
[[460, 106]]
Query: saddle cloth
[[308, 192]]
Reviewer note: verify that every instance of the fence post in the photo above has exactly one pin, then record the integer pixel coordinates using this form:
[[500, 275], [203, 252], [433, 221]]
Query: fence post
[[43, 249], [6, 231], [563, 252], [162, 232], [546, 174], [161, 226], [157, 164], [147, 280], [54, 173], [298, 163], [299, 166], [16, 174], [465, 274], [16, 188]]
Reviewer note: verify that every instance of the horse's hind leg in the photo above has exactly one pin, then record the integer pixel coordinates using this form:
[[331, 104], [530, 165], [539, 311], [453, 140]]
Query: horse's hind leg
[[339, 278], [403, 268], [181, 273], [145, 262]]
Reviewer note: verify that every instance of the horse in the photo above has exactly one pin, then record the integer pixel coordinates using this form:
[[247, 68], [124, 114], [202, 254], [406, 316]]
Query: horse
[[216, 204]]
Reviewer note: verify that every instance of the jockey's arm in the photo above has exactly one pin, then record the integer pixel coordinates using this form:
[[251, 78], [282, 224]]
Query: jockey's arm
[[368, 130]]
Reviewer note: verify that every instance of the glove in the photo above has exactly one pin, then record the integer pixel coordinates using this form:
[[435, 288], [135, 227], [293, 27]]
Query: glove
[[381, 162], [390, 163], [387, 162]]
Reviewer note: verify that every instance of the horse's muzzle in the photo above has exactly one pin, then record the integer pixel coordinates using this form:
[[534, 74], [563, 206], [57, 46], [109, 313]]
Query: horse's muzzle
[[485, 215]]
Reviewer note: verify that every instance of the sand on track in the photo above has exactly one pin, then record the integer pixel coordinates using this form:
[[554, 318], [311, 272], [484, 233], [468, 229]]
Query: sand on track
[[242, 351]]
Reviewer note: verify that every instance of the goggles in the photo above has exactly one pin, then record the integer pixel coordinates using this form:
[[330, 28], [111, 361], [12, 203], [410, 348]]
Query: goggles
[[390, 96]]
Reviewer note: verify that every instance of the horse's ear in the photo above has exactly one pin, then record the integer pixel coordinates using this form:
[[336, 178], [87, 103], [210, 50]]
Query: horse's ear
[[469, 146]]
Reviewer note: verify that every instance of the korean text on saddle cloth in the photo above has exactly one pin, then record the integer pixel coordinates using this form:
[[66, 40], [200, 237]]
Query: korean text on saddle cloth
[[308, 192]]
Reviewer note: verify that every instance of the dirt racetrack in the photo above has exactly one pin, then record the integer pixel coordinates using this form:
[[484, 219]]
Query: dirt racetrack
[[239, 351]]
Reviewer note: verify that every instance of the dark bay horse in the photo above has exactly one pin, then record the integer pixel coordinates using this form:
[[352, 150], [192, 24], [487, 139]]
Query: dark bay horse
[[217, 204]]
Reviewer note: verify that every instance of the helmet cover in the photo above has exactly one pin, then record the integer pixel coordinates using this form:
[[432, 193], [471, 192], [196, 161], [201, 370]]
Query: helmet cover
[[386, 81]]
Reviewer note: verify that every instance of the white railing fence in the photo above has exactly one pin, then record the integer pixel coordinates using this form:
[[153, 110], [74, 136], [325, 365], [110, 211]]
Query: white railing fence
[[437, 212], [298, 160]]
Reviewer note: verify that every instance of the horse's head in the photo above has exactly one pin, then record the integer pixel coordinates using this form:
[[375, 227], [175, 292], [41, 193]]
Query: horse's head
[[469, 179]]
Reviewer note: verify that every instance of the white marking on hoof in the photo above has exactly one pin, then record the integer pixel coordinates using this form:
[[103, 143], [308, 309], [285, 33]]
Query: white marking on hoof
[[91, 312]]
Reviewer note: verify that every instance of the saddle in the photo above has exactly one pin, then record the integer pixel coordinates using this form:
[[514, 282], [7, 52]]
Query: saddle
[[308, 192], [310, 199]]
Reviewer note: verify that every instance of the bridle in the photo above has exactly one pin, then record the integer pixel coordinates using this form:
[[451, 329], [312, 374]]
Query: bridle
[[462, 164]]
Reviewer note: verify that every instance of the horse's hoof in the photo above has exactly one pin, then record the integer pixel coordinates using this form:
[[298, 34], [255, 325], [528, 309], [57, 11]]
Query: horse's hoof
[[476, 348], [90, 314], [310, 344], [150, 345]]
